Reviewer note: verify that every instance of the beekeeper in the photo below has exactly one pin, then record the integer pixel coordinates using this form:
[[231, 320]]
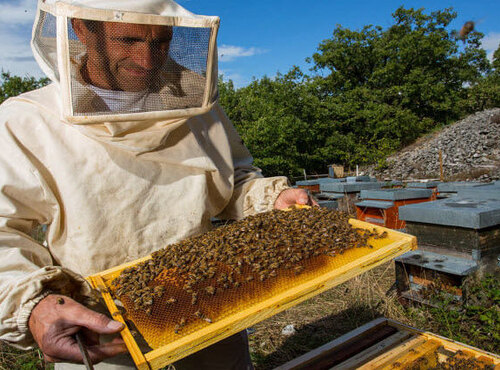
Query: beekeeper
[[124, 153]]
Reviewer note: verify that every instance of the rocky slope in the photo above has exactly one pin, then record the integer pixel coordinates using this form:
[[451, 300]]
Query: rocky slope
[[470, 150]]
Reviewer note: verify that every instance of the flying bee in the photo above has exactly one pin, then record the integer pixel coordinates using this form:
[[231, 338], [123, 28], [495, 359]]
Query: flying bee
[[464, 31], [467, 28]]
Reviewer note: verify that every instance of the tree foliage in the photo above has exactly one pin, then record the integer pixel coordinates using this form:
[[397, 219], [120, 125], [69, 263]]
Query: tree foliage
[[14, 85], [371, 92]]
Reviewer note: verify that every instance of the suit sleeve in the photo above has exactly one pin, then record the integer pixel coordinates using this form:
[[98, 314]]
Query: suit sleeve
[[27, 269]]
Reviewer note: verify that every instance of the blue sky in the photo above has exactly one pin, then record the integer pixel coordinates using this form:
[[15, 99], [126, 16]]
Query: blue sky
[[258, 37]]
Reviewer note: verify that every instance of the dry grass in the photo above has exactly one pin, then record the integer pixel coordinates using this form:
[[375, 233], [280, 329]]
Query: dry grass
[[326, 317], [13, 359]]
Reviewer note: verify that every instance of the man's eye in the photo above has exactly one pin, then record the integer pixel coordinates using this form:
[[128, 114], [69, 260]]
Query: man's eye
[[160, 44], [127, 40]]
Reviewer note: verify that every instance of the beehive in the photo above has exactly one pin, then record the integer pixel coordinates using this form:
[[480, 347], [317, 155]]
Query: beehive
[[390, 345], [177, 327]]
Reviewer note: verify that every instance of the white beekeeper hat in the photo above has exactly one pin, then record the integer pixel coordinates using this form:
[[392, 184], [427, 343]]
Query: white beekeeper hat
[[136, 59]]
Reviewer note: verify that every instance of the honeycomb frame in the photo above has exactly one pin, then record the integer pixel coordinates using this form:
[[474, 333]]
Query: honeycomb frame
[[353, 263]]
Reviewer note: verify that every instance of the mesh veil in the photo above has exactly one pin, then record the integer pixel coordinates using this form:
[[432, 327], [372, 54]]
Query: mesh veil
[[114, 65]]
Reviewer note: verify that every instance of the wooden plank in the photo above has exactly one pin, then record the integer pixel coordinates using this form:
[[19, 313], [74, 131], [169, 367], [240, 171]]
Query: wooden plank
[[389, 356], [363, 358], [424, 352], [327, 348], [335, 355], [347, 351]]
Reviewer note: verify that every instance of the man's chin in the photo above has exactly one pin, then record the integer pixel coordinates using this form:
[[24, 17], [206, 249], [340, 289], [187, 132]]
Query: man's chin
[[133, 85]]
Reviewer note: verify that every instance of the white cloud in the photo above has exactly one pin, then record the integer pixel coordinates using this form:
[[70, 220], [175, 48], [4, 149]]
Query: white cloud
[[490, 43], [228, 53], [238, 79]]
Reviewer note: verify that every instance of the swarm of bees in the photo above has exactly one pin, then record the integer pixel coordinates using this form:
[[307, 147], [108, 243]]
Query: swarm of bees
[[249, 251]]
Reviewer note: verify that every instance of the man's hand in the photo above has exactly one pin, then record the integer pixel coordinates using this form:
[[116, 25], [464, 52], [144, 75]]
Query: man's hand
[[290, 197], [56, 319]]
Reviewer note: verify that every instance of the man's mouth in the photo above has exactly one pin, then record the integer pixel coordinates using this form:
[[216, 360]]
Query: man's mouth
[[137, 72]]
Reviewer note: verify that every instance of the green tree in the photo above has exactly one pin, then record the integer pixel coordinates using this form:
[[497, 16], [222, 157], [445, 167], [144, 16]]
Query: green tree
[[372, 91], [14, 85], [485, 92], [385, 88]]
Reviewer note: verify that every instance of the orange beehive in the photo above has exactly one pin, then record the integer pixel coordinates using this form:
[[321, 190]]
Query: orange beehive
[[381, 207]]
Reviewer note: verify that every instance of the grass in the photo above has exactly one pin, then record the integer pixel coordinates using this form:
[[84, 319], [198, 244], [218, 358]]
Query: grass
[[14, 359], [326, 317], [346, 307]]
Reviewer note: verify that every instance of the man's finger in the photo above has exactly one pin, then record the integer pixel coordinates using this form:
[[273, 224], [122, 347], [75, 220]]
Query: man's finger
[[97, 352], [80, 315], [290, 197]]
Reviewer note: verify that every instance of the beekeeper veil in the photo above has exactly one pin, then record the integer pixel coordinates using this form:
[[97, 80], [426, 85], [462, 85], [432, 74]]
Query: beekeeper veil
[[127, 59]]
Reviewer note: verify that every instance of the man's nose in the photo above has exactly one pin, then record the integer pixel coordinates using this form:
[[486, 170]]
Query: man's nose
[[146, 56]]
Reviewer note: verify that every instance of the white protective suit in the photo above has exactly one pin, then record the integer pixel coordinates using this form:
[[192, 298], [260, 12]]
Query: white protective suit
[[110, 191]]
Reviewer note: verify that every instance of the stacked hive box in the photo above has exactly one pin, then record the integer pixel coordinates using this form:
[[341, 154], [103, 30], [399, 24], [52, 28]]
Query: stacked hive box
[[381, 207], [432, 185], [456, 236], [348, 192], [387, 344], [449, 189], [313, 185]]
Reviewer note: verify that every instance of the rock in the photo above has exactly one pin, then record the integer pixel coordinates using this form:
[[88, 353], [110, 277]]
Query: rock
[[288, 330], [467, 146]]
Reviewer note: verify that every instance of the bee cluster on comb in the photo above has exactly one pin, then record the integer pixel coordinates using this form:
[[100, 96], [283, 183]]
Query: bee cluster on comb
[[250, 251], [456, 361]]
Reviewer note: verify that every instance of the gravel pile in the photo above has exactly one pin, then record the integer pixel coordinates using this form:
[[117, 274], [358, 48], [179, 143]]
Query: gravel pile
[[470, 150]]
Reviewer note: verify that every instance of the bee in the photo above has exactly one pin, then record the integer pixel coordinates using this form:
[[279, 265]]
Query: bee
[[467, 28], [298, 269], [464, 31], [210, 290]]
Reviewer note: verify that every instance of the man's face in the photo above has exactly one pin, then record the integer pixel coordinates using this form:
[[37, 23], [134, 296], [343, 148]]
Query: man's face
[[123, 56]]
